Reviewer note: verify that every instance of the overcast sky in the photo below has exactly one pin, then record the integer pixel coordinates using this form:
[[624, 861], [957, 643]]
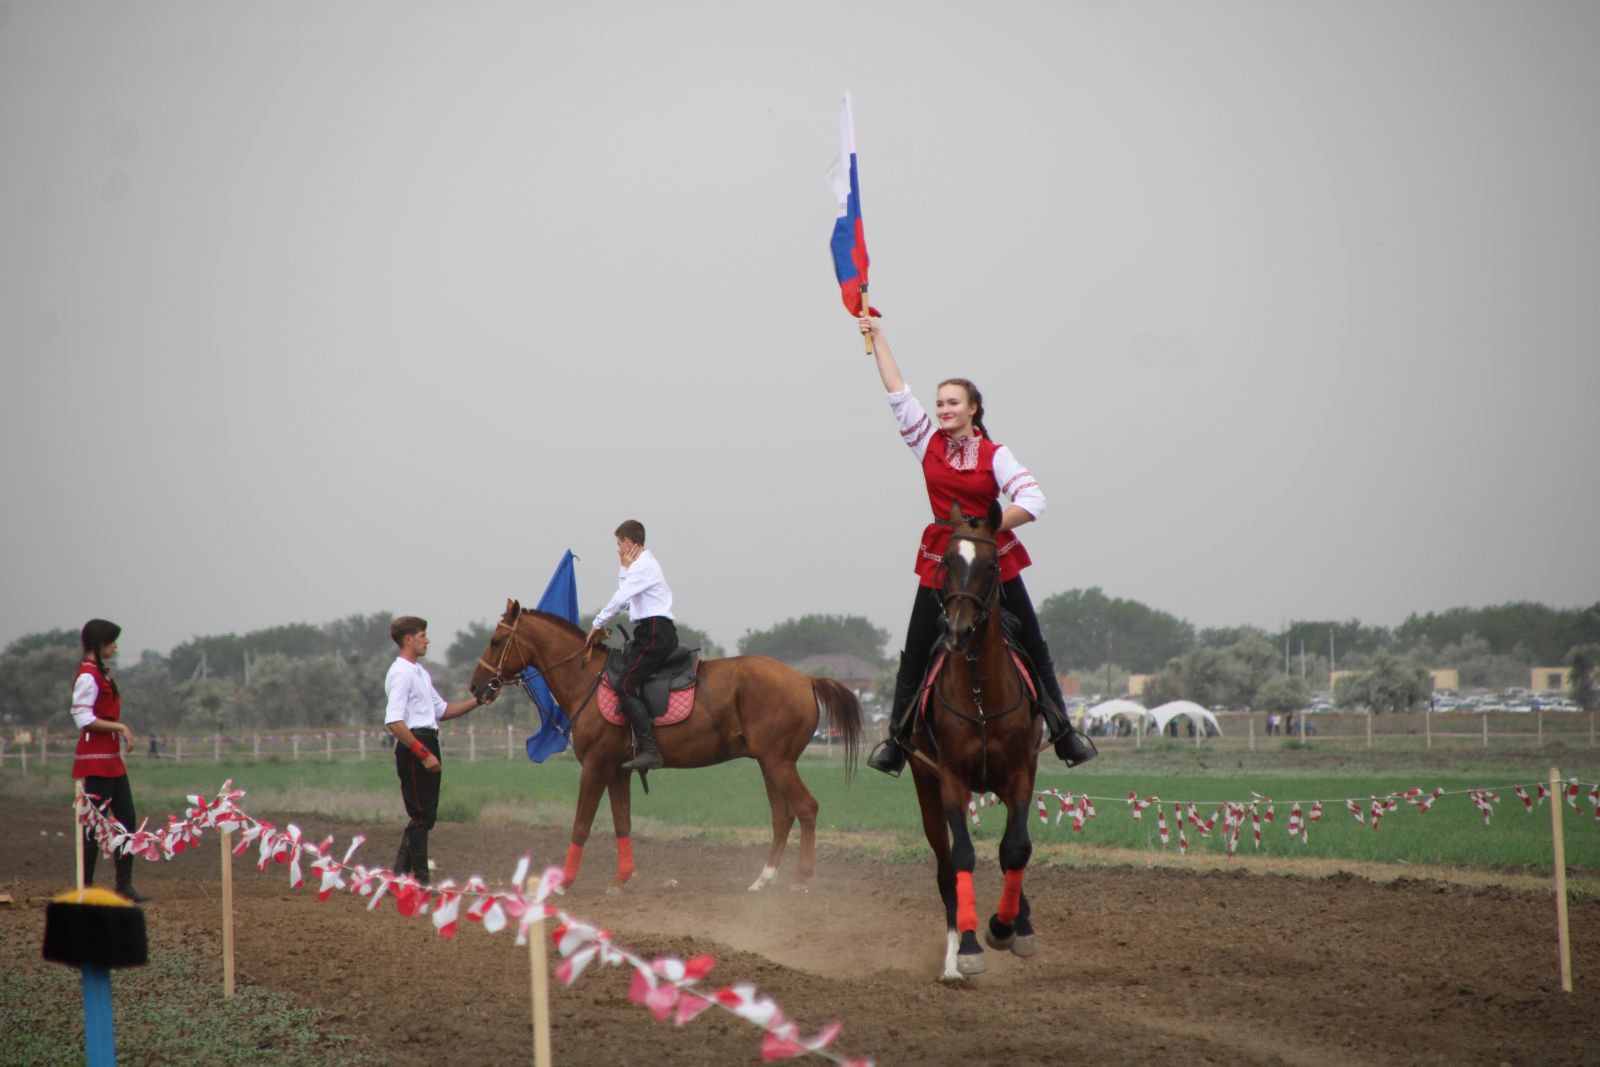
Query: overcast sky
[[311, 309]]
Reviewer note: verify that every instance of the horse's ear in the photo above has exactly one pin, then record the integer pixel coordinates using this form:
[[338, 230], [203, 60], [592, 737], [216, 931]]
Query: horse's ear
[[955, 512], [995, 514], [513, 608]]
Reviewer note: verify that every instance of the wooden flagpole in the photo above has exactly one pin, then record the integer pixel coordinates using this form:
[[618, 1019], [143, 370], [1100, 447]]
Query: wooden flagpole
[[1563, 934], [541, 984], [227, 913], [867, 311]]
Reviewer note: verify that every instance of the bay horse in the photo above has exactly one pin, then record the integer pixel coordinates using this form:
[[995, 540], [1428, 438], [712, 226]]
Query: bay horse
[[744, 707], [979, 726]]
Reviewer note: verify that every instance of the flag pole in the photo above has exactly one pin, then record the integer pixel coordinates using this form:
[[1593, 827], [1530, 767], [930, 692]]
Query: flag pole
[[867, 312]]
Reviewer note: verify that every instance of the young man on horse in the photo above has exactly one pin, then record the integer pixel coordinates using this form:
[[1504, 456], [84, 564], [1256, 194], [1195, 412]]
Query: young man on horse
[[412, 715], [643, 593]]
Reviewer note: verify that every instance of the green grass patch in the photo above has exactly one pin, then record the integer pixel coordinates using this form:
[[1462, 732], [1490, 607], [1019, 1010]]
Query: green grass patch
[[731, 797], [167, 1012]]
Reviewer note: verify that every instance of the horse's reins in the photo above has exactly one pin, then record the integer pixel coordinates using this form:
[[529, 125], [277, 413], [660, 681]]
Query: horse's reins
[[985, 608]]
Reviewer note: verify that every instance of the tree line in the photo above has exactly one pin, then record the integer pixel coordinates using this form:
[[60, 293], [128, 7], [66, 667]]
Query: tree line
[[332, 675]]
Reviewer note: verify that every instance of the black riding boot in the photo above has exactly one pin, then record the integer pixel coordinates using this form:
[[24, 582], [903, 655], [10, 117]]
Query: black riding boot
[[646, 756], [1072, 747], [890, 756]]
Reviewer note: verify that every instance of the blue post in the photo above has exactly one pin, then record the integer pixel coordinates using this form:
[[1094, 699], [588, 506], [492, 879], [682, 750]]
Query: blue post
[[99, 1041]]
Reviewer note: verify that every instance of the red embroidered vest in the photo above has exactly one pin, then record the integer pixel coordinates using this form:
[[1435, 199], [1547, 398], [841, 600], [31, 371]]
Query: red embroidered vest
[[99, 751], [962, 473]]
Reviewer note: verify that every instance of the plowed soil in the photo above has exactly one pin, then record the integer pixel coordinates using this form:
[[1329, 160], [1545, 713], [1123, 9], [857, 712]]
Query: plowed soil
[[1137, 966]]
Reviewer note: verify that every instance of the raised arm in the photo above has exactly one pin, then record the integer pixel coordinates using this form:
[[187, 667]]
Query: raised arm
[[888, 369]]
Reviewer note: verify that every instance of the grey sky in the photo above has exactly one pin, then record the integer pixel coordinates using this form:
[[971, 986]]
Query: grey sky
[[312, 309]]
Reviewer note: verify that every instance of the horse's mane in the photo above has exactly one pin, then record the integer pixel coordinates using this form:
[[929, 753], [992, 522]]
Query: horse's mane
[[560, 623]]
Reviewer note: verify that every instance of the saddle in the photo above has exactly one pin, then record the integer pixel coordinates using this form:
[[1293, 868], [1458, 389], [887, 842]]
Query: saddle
[[677, 673], [1009, 625]]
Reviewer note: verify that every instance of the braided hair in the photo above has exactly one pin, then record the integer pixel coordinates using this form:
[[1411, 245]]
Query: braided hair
[[97, 634]]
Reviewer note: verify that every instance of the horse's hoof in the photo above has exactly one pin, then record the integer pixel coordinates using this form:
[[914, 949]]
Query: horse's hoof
[[971, 963], [1002, 943], [1026, 945]]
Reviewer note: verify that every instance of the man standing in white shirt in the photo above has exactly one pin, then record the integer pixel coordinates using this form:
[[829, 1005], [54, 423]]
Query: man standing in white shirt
[[643, 593], [415, 710]]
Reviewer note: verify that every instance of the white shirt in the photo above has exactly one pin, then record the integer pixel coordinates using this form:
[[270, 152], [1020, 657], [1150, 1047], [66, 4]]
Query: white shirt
[[641, 591], [412, 698], [84, 693], [917, 429]]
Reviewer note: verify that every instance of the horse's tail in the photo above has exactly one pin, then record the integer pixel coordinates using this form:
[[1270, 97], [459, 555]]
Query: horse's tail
[[841, 711]]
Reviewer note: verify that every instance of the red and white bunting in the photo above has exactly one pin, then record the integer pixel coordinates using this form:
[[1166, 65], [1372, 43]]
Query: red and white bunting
[[1572, 795], [1296, 824], [667, 986], [1161, 823], [1522, 795], [1355, 811], [1316, 813], [1485, 801]]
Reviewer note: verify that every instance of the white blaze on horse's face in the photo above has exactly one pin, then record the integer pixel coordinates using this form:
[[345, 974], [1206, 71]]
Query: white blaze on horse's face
[[966, 551]]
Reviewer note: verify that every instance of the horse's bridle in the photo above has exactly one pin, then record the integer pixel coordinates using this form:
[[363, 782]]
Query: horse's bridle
[[986, 602], [497, 678], [986, 605]]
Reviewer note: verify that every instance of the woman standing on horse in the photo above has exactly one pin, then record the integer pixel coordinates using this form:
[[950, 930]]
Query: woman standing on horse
[[962, 465]]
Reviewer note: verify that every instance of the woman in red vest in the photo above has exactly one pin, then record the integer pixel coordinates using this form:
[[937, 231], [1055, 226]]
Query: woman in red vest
[[961, 464], [102, 739]]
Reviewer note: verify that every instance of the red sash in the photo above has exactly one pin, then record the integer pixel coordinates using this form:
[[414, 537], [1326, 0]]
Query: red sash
[[99, 752]]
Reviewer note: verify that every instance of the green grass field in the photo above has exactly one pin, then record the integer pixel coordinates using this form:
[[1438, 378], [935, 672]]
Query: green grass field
[[876, 810]]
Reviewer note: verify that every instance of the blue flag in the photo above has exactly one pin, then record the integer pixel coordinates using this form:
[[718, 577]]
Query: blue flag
[[560, 598]]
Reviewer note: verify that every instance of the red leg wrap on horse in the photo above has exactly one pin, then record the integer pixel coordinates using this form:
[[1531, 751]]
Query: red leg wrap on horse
[[624, 859], [966, 907], [1010, 897], [569, 869]]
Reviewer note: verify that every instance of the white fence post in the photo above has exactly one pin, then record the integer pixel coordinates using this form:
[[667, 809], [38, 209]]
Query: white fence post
[[328, 737], [361, 744], [508, 740], [216, 747], [296, 747], [472, 744]]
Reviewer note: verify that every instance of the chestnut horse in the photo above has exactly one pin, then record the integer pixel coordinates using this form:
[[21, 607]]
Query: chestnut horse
[[746, 706], [980, 730]]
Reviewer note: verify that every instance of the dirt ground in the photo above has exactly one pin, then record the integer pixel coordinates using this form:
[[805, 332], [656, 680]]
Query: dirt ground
[[1137, 966]]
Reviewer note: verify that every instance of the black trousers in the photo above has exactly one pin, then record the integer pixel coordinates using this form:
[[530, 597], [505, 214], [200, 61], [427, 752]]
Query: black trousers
[[121, 796], [926, 627], [652, 642], [419, 789]]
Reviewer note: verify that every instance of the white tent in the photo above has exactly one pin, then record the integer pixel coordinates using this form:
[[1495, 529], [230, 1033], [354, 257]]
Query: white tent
[[1169, 711], [1106, 710]]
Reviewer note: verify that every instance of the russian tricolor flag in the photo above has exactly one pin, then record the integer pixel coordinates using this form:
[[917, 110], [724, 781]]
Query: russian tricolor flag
[[849, 241]]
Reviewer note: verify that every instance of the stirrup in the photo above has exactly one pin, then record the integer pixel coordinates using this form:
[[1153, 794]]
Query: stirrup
[[648, 760], [1075, 748], [888, 757]]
